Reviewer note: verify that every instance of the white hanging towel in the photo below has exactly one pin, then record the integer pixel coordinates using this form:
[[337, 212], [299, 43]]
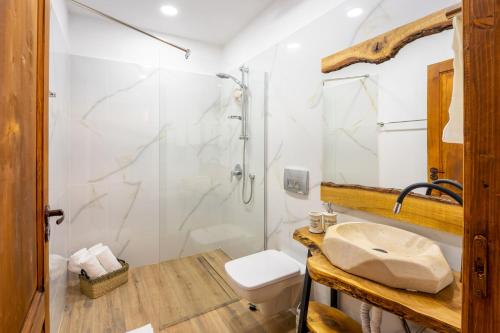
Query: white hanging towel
[[454, 129], [144, 329], [92, 267], [108, 259]]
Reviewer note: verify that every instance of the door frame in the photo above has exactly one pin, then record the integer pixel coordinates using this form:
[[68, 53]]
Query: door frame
[[481, 166], [38, 318]]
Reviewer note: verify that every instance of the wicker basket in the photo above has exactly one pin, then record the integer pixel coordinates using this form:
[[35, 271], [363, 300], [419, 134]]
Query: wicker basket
[[103, 284]]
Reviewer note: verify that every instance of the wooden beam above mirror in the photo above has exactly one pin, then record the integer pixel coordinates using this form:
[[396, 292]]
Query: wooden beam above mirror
[[427, 211], [385, 46]]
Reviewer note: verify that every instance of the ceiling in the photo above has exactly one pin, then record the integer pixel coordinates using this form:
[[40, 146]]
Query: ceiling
[[211, 21]]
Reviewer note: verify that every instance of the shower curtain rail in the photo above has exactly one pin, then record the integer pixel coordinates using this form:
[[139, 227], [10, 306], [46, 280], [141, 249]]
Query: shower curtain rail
[[186, 51]]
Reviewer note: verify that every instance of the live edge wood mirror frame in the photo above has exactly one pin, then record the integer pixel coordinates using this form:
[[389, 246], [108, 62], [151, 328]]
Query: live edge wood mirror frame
[[433, 212]]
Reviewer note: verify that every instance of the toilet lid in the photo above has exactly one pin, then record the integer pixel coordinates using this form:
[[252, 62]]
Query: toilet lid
[[261, 269]]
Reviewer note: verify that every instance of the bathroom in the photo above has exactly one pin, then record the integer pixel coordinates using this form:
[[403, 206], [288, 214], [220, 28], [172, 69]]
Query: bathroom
[[205, 144]]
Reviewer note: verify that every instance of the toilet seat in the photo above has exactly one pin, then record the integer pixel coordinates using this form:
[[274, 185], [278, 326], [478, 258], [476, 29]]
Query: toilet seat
[[262, 269]]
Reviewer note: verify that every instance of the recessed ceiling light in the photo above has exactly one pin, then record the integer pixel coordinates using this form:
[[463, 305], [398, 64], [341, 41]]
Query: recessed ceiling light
[[293, 46], [354, 12], [169, 10]]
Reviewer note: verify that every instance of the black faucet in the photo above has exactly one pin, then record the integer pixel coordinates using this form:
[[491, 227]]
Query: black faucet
[[406, 191], [445, 181]]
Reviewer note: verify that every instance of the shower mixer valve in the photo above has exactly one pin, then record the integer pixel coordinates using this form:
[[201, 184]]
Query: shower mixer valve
[[236, 172]]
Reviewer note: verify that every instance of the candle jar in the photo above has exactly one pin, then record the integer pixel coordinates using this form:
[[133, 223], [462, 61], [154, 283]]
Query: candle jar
[[315, 222]]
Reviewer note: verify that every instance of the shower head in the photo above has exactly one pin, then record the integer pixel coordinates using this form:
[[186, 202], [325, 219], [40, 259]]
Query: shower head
[[223, 75], [227, 76]]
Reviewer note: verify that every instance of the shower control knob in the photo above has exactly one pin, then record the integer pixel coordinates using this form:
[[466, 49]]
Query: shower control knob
[[236, 172]]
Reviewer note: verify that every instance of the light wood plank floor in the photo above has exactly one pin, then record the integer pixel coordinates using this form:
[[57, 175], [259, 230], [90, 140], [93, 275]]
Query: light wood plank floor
[[183, 295], [200, 286]]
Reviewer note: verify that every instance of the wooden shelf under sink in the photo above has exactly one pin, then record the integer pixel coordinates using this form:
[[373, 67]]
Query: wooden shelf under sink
[[440, 312], [324, 319]]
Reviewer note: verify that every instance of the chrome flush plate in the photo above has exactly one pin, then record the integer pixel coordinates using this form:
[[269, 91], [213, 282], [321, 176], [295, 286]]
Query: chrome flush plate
[[296, 180]]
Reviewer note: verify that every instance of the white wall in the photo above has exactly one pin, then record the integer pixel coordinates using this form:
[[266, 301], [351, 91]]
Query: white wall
[[275, 23], [93, 36], [59, 12]]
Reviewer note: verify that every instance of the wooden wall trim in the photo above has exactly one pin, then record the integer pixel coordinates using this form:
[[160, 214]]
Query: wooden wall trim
[[431, 212], [385, 46], [481, 161], [36, 316]]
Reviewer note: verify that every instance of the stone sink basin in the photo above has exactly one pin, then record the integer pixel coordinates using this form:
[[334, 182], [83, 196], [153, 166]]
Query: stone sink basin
[[388, 255]]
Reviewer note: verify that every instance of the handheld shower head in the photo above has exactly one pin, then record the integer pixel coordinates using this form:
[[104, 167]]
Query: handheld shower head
[[227, 76], [223, 75]]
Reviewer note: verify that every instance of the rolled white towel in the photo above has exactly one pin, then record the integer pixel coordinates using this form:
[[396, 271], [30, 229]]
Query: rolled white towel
[[74, 265], [108, 259], [79, 253], [92, 267], [96, 248]]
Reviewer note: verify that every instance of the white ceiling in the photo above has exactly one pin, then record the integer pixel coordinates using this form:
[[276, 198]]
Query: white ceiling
[[211, 21]]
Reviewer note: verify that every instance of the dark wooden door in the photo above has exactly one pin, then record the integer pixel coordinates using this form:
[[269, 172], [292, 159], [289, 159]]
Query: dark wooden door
[[444, 160], [481, 258], [23, 123]]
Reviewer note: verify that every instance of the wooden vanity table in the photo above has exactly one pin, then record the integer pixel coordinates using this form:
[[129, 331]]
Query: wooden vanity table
[[440, 312]]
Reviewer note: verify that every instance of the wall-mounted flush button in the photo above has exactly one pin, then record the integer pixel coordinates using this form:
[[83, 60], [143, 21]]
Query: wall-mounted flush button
[[296, 181]]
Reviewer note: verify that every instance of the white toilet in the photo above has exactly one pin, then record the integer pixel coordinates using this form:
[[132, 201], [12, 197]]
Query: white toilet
[[270, 279]]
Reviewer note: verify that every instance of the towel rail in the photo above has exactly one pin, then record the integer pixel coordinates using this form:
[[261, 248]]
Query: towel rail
[[383, 123]]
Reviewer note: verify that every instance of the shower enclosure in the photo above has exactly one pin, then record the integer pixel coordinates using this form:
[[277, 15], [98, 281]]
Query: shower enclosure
[[201, 202], [202, 216], [148, 152]]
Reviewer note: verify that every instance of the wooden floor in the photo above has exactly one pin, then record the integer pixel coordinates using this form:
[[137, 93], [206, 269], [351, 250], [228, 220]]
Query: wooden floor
[[200, 286], [236, 318], [184, 295]]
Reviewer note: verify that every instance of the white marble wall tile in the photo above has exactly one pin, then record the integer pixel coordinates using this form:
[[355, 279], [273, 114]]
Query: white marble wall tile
[[115, 136]]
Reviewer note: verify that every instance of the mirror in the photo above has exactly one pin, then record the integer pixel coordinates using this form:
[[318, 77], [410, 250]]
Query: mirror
[[383, 123], [350, 144]]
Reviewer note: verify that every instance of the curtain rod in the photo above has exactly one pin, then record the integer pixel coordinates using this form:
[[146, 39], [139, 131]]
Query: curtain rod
[[186, 51]]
